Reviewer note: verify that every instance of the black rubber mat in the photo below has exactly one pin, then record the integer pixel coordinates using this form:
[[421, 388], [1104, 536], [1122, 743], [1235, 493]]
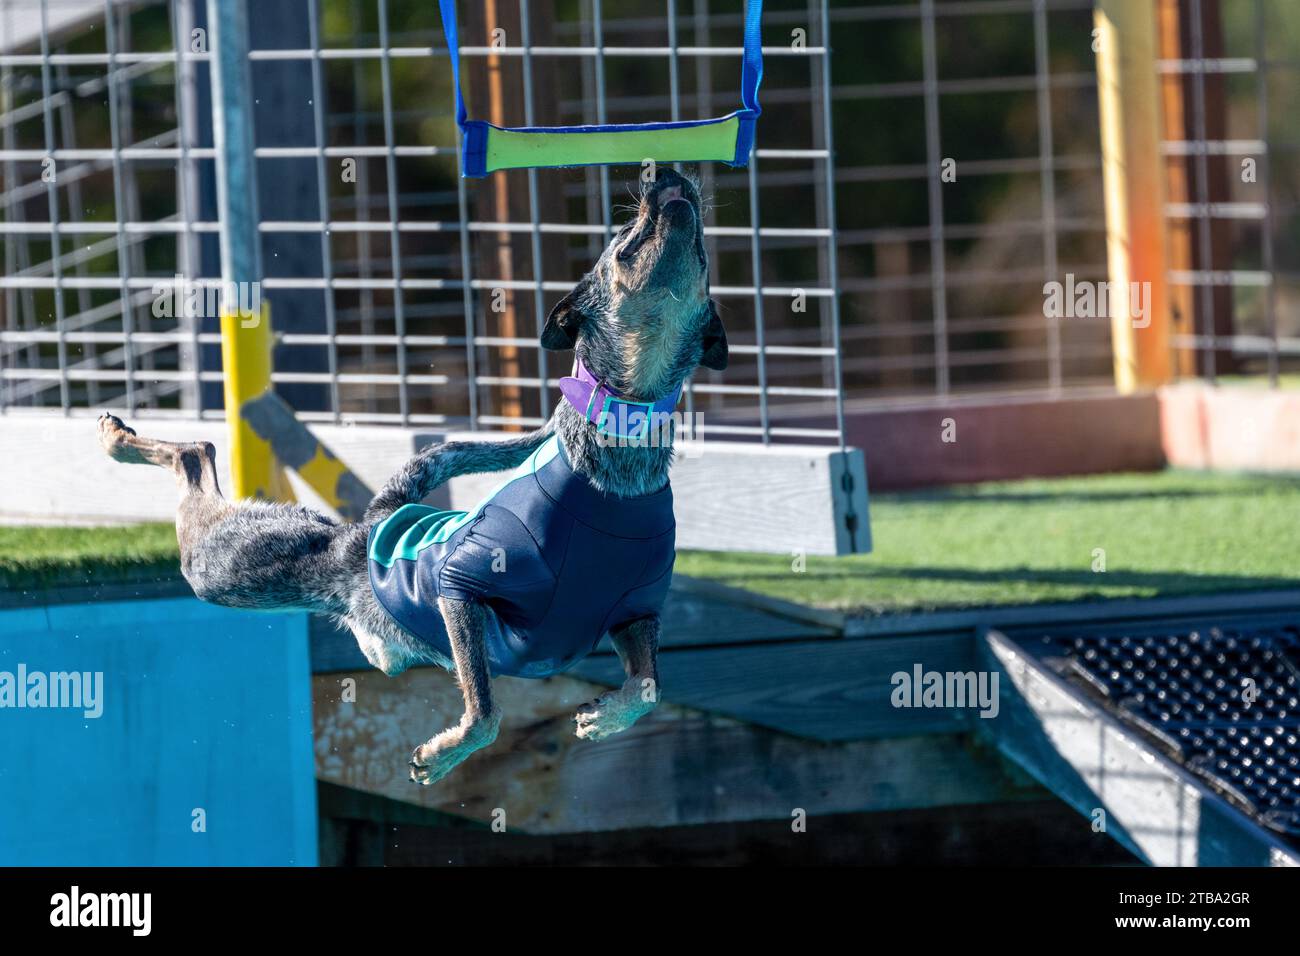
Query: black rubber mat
[[1224, 701]]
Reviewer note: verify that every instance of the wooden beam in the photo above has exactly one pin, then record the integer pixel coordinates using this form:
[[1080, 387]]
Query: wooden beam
[[501, 199], [738, 496], [1182, 304], [496, 82], [1213, 250], [364, 830], [1133, 181]]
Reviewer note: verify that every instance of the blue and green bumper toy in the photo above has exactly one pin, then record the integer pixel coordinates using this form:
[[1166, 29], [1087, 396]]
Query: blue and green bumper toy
[[486, 148]]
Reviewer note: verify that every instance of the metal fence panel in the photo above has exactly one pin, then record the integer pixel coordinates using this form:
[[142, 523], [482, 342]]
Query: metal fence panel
[[849, 268]]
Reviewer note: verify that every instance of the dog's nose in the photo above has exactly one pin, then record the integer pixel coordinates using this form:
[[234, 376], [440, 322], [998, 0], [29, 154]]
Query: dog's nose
[[669, 184]]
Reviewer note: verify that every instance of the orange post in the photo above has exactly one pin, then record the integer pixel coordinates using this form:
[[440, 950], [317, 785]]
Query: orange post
[[1133, 181]]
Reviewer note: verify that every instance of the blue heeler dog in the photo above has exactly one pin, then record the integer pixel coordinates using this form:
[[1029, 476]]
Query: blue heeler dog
[[577, 543]]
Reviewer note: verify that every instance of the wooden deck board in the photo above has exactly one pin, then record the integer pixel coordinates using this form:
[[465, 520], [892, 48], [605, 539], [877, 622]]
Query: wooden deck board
[[677, 766], [823, 690]]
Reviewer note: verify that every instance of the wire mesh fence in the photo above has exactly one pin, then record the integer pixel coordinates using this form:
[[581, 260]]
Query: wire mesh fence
[[1229, 215], [922, 169]]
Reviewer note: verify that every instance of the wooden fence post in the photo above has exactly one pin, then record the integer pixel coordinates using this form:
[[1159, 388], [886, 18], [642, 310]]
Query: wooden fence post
[[1133, 181]]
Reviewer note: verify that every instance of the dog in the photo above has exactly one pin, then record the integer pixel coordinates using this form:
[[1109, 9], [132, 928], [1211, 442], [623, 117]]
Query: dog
[[576, 543]]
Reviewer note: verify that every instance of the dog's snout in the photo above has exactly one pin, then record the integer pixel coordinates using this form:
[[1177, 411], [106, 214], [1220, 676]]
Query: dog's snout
[[679, 213], [669, 222], [671, 189]]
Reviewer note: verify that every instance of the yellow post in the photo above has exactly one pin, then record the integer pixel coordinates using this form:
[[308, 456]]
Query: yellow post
[[1133, 181], [246, 364]]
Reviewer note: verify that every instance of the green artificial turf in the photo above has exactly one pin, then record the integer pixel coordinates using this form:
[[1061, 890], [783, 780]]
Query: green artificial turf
[[1016, 542], [1025, 542], [33, 556]]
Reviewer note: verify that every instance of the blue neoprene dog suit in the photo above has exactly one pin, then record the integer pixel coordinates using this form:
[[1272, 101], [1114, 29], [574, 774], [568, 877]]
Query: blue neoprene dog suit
[[558, 561]]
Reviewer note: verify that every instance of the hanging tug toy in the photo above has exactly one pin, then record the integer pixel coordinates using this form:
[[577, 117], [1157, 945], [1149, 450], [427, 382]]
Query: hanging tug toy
[[486, 148]]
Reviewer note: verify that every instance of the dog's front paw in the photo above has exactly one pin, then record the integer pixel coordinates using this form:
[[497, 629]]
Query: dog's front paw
[[611, 714], [428, 767], [434, 759]]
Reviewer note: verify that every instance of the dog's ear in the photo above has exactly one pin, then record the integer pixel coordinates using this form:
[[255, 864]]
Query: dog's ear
[[715, 341], [562, 325]]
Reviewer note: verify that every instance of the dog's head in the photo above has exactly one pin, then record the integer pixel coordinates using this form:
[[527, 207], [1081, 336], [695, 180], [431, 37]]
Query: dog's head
[[642, 318]]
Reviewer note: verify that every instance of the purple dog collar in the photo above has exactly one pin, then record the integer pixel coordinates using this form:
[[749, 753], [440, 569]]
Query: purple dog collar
[[611, 413]]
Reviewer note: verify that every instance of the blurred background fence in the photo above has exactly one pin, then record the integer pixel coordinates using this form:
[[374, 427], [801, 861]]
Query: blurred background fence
[[923, 168]]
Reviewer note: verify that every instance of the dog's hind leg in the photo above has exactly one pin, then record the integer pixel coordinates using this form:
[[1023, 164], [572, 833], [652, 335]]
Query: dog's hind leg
[[637, 645], [466, 622], [251, 554], [439, 463], [194, 465], [123, 444]]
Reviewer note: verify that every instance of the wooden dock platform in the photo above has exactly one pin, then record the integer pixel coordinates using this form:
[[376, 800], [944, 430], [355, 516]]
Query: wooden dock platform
[[780, 738], [771, 712]]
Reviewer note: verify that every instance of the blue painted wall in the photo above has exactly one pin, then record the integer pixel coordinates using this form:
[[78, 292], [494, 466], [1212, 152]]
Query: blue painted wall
[[204, 708]]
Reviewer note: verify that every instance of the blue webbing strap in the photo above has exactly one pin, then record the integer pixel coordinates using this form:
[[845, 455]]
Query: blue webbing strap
[[752, 71], [475, 132], [751, 75], [448, 10], [473, 158]]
